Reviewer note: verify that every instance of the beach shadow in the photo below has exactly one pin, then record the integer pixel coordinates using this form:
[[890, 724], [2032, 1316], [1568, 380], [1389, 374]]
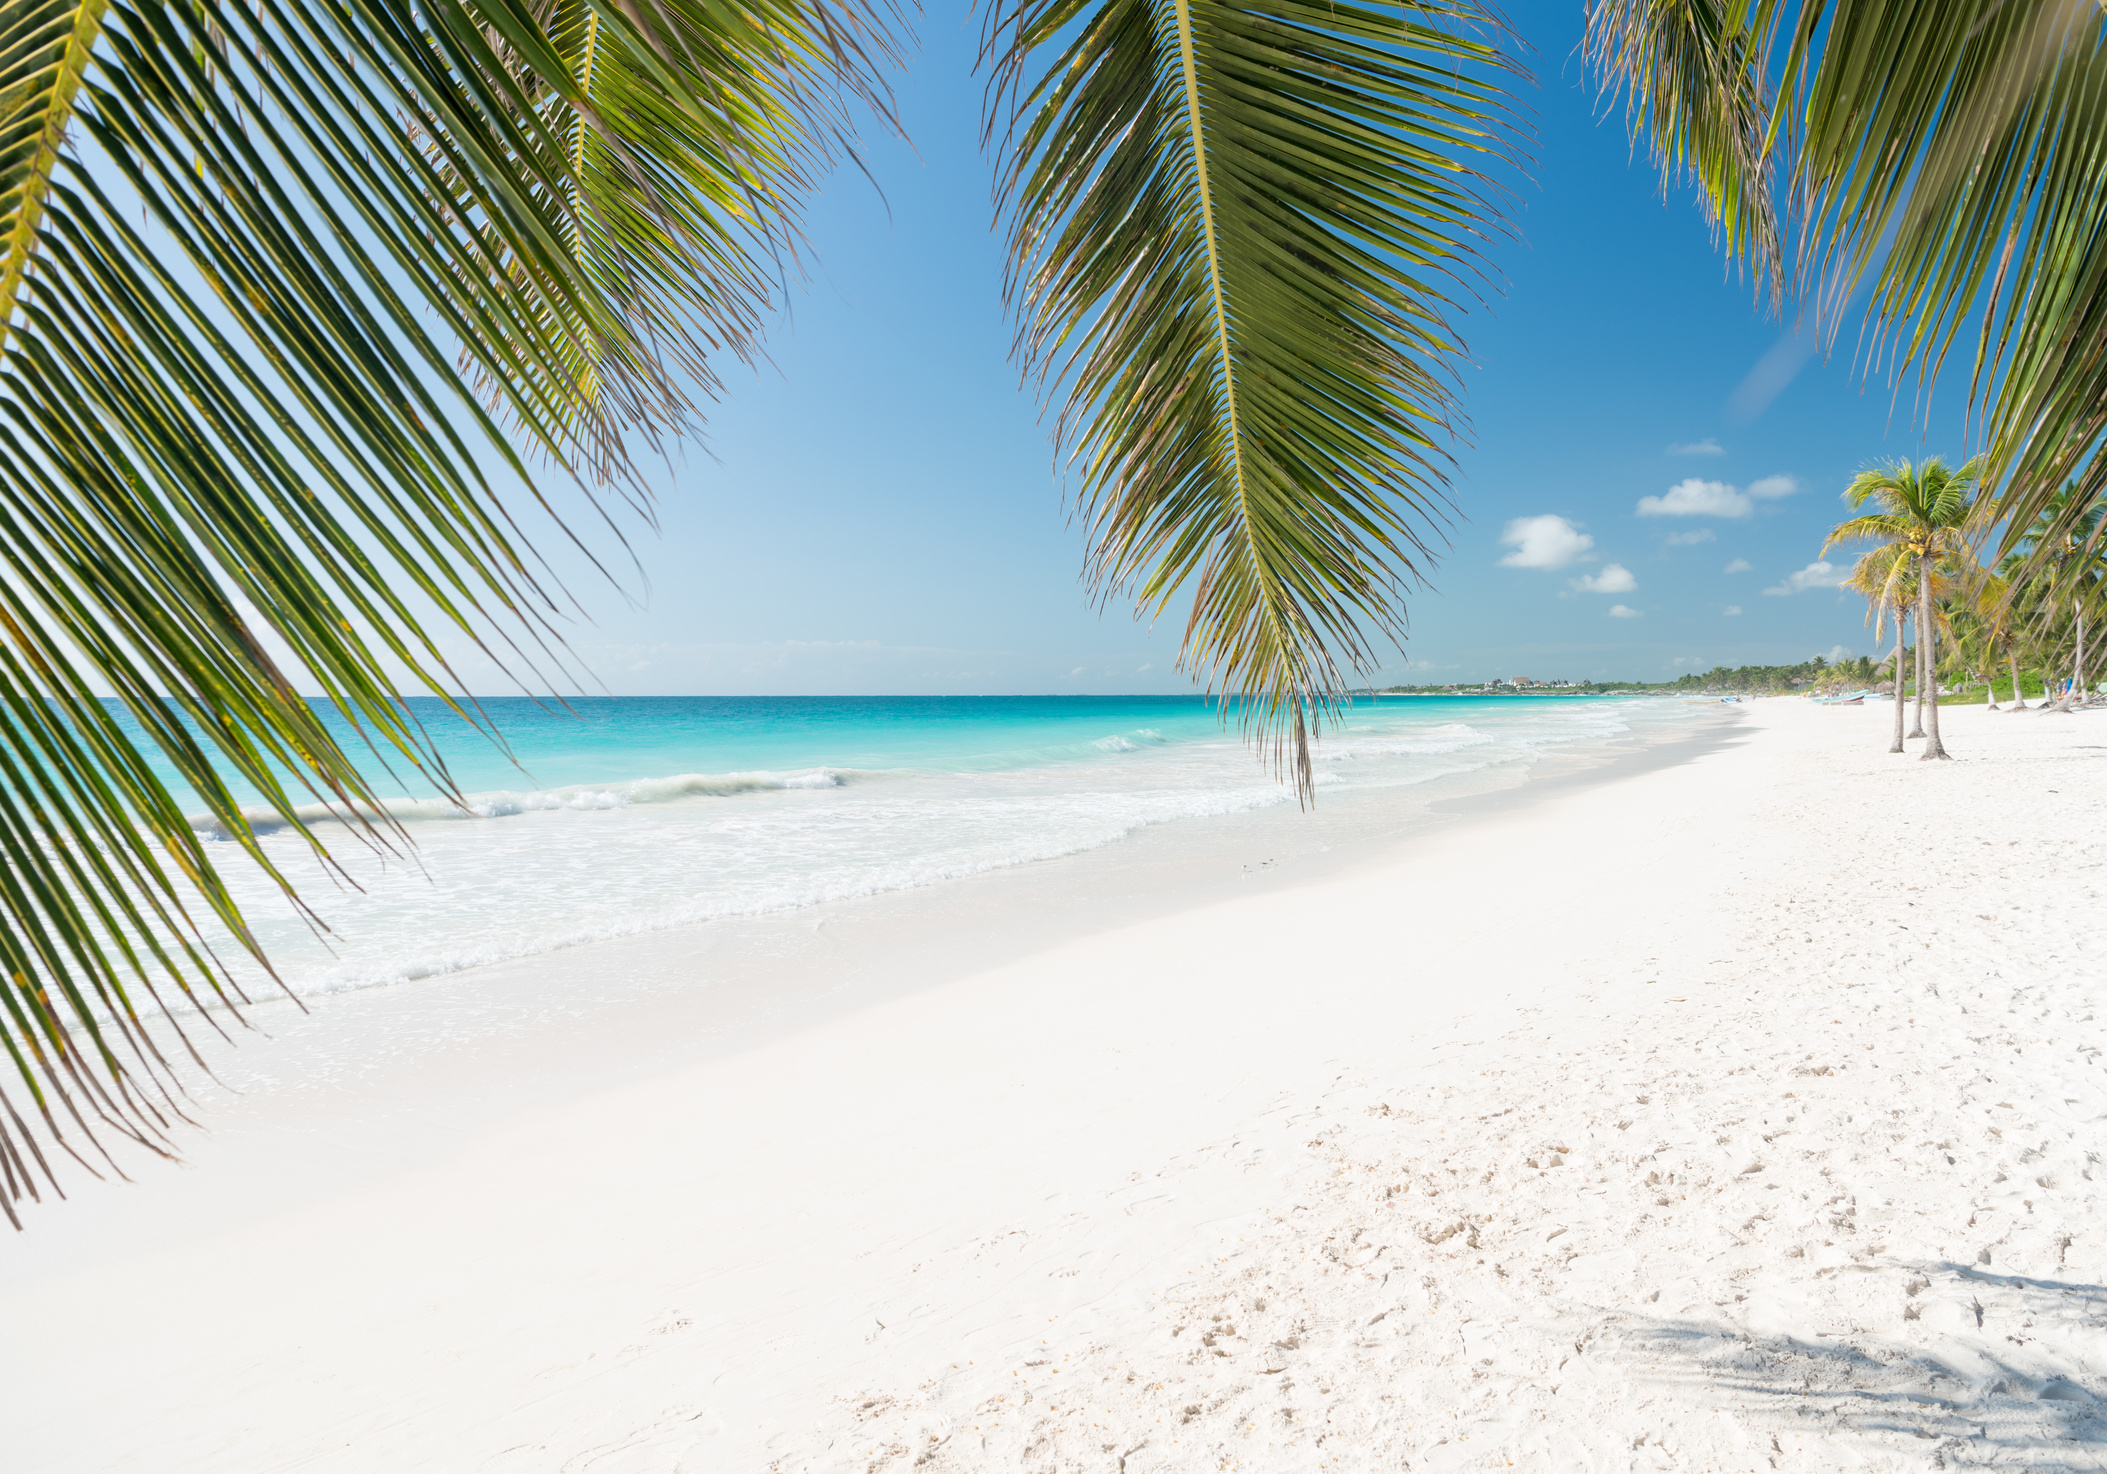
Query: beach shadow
[[1982, 1396]]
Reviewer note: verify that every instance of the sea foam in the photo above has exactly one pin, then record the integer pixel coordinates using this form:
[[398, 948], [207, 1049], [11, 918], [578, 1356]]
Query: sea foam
[[504, 803], [511, 872]]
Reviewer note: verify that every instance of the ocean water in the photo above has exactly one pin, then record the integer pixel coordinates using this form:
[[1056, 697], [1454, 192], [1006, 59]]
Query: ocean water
[[625, 815]]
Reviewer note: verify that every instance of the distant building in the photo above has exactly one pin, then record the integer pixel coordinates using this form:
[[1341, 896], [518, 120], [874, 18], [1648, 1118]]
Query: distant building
[[1524, 681]]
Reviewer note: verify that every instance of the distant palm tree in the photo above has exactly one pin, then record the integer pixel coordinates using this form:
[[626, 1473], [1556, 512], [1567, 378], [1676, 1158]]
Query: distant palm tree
[[1927, 513], [2066, 566], [1991, 637]]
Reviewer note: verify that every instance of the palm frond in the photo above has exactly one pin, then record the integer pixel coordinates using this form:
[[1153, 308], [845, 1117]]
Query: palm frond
[[1943, 161], [1696, 89], [295, 293], [1233, 229]]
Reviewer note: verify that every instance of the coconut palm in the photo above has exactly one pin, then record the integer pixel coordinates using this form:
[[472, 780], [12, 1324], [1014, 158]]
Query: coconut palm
[[1938, 162], [303, 309], [1927, 513]]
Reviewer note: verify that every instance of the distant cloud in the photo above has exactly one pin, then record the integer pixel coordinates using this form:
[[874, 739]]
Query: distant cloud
[[1144, 670], [1614, 578], [1691, 538], [1813, 576], [1623, 611], [1543, 542], [1696, 497], [1076, 672], [1739, 565], [1705, 447], [1731, 610], [1838, 653]]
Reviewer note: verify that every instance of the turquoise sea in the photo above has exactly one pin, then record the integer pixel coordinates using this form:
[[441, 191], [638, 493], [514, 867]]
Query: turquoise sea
[[621, 815]]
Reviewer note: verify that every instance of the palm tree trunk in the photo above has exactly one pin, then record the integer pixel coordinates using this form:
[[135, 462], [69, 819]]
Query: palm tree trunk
[[1898, 680], [1928, 662], [2077, 665], [2070, 698], [1916, 726], [2019, 694]]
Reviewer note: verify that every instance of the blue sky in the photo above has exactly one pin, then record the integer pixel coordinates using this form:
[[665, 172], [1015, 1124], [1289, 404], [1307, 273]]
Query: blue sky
[[877, 510]]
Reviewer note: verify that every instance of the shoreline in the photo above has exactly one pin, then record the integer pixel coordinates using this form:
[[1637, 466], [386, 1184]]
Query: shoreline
[[600, 1242], [786, 845], [565, 1024]]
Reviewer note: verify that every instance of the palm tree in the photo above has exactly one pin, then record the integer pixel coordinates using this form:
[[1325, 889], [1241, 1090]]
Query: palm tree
[[1975, 643], [1991, 636], [1927, 513], [289, 294], [2062, 552], [1938, 162], [1885, 579]]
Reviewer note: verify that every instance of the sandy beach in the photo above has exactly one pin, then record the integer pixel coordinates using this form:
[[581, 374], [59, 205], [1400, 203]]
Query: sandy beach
[[1736, 1106]]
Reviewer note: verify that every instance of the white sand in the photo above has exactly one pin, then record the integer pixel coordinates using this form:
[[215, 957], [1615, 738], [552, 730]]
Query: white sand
[[1742, 1114]]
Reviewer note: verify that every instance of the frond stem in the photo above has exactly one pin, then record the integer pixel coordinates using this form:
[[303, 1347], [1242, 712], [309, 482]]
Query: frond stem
[[19, 250], [1271, 598], [1214, 264]]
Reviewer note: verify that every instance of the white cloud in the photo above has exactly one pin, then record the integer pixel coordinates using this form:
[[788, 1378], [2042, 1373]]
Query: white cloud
[[1695, 497], [1144, 670], [1623, 611], [1076, 672], [1693, 537], [1543, 542], [1837, 653], [1614, 578], [1739, 565], [1705, 447], [1813, 576], [1731, 610]]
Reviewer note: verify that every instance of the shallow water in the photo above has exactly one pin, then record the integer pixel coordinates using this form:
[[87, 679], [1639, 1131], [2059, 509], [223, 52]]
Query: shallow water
[[626, 815]]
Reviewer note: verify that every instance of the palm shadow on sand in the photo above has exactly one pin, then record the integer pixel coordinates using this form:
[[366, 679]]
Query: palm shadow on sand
[[2000, 1396]]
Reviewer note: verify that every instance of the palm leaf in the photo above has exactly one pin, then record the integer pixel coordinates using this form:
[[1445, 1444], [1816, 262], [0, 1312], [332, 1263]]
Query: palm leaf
[[1696, 86], [293, 293], [1945, 160], [1232, 231]]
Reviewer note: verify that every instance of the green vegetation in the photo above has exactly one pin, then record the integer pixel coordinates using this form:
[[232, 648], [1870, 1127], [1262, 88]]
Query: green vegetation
[[1764, 680]]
